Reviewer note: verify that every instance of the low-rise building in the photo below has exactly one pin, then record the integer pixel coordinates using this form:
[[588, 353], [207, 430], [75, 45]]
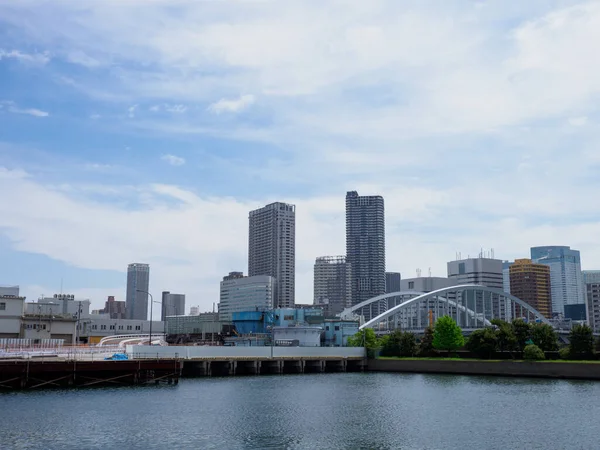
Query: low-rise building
[[337, 332], [201, 327], [115, 309], [426, 284], [11, 314], [92, 328], [239, 293]]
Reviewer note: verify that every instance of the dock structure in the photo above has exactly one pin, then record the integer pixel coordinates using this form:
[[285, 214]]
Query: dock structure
[[33, 374], [201, 361]]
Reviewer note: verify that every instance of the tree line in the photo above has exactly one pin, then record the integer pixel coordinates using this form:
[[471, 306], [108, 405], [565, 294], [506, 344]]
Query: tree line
[[518, 337]]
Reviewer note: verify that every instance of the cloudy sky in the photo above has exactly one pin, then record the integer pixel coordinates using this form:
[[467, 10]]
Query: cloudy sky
[[145, 130]]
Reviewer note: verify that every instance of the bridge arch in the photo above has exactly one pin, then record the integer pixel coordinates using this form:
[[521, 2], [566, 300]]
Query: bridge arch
[[416, 302]]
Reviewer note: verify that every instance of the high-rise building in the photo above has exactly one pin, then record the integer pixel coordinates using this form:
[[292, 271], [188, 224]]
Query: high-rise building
[[245, 294], [172, 305], [392, 282], [272, 249], [365, 245], [485, 272], [136, 302], [506, 275], [115, 309], [566, 279], [591, 279], [530, 282], [194, 310], [482, 271], [332, 284]]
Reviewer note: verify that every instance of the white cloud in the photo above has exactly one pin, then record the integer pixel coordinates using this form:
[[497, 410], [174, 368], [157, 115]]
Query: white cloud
[[131, 111], [154, 108], [31, 58], [173, 160], [79, 57], [232, 105], [95, 116], [176, 108], [11, 107], [578, 121]]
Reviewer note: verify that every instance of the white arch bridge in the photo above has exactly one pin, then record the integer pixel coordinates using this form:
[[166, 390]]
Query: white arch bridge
[[471, 306]]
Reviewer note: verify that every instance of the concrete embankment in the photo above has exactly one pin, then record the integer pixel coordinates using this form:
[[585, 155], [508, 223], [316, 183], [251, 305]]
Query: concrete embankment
[[565, 370]]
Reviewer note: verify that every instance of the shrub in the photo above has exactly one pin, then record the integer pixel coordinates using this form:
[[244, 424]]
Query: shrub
[[565, 353], [533, 353]]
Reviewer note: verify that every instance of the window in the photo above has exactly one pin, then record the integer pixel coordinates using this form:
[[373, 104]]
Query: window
[[120, 327], [337, 328], [112, 327], [3, 306], [129, 328], [103, 327], [137, 327], [411, 284]]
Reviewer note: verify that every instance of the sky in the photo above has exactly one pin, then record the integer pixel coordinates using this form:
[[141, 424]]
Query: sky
[[145, 130]]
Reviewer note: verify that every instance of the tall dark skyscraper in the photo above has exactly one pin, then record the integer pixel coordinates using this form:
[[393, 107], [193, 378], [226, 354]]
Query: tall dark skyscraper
[[392, 282], [365, 245], [272, 249], [136, 303]]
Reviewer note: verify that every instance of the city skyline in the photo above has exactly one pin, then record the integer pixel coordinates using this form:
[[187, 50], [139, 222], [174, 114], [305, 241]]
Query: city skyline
[[150, 139]]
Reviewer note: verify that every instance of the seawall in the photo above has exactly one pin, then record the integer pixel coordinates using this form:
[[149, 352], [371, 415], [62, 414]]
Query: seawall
[[564, 370]]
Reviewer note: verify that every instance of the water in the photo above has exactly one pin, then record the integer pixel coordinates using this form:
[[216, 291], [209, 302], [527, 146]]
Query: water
[[324, 411]]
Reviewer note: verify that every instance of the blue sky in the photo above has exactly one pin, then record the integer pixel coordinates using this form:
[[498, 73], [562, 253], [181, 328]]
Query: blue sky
[[144, 131]]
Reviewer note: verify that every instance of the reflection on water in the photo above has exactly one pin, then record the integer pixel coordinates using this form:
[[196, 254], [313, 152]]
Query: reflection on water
[[345, 411]]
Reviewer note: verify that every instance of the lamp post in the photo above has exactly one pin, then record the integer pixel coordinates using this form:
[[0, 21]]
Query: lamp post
[[151, 301]]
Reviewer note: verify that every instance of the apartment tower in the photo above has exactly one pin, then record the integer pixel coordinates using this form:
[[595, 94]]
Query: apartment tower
[[272, 249], [138, 281], [365, 245]]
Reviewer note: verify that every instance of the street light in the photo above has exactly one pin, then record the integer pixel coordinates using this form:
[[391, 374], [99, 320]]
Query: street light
[[151, 301]]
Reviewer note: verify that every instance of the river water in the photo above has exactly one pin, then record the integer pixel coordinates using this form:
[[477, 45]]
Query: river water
[[321, 411]]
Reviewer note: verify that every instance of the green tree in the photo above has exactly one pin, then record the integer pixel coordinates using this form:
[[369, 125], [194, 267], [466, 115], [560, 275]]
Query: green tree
[[507, 340], [522, 332], [581, 340], [408, 344], [447, 335], [544, 336], [426, 344], [533, 353], [398, 343], [364, 338], [483, 342]]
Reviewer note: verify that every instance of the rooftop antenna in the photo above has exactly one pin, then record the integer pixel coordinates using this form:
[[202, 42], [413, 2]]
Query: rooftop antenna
[[430, 272], [492, 253], [418, 273]]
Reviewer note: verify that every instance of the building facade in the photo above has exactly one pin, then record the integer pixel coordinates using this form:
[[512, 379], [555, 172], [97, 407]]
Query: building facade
[[506, 276], [136, 302], [12, 291], [115, 309], [172, 305], [93, 328], [245, 294], [272, 249], [566, 278], [485, 272], [365, 245], [332, 284], [392, 282], [591, 280], [530, 282], [426, 284], [482, 271], [59, 304]]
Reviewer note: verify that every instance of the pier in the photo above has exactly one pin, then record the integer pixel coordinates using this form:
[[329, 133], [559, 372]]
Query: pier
[[34, 374]]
